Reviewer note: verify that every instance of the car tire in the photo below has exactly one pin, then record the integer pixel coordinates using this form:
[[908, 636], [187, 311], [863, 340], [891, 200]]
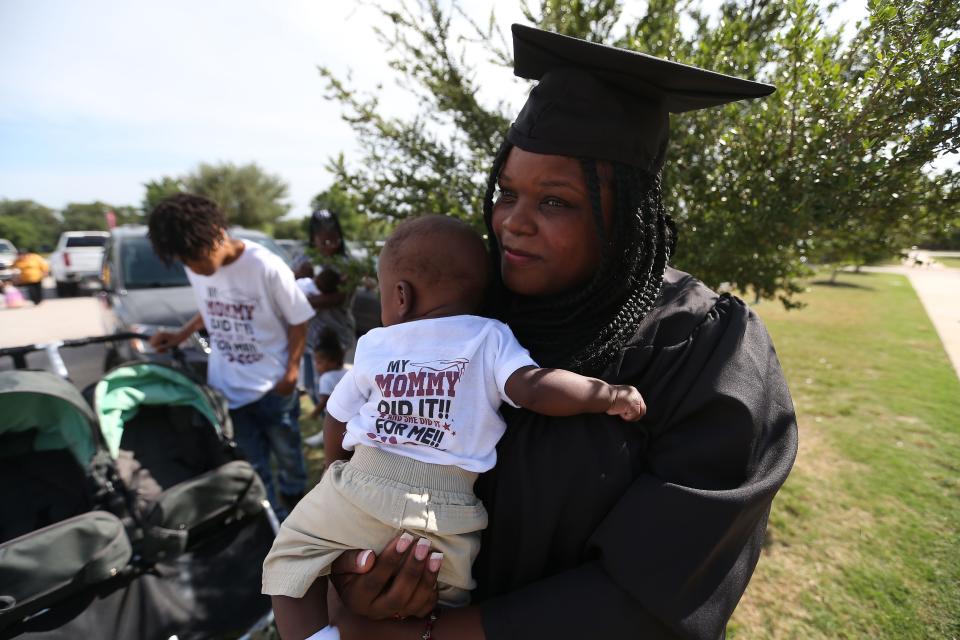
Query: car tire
[[111, 360], [67, 289]]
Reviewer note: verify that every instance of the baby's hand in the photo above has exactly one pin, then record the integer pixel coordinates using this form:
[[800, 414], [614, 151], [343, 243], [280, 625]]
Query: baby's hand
[[627, 403]]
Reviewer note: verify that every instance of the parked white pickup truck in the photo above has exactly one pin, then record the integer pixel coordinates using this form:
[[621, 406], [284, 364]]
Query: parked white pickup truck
[[77, 260], [8, 255]]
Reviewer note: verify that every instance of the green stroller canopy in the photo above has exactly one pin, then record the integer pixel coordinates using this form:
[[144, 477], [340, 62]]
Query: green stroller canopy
[[120, 393], [51, 405]]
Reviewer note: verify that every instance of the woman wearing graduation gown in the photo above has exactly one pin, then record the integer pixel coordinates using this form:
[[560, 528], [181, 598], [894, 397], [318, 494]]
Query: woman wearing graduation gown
[[599, 528]]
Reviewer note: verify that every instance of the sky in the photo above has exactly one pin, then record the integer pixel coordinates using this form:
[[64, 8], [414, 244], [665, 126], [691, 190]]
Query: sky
[[100, 96]]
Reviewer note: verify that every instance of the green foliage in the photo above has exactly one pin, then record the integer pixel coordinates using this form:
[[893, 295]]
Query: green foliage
[[831, 168], [247, 194], [28, 224], [354, 271], [295, 229], [92, 216], [593, 20], [157, 190], [437, 161], [347, 206], [894, 109]]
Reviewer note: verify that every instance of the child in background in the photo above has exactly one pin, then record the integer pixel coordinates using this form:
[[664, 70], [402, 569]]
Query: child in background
[[319, 289], [326, 282], [328, 362], [12, 297], [420, 410]]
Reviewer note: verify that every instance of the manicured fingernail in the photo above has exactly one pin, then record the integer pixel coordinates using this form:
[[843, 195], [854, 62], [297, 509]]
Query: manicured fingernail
[[362, 558], [404, 542], [422, 549], [435, 559]]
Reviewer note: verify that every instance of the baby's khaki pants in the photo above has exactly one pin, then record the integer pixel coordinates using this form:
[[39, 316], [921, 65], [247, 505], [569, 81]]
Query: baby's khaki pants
[[368, 501]]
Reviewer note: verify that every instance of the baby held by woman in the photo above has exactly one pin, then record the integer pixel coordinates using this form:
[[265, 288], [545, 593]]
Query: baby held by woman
[[420, 412]]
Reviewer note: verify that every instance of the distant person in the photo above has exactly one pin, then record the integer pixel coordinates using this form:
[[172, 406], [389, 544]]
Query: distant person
[[33, 268], [417, 453], [257, 321], [12, 298], [332, 303], [328, 360], [302, 267]]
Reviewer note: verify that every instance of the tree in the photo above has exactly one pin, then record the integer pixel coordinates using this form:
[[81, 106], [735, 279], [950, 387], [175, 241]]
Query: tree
[[347, 206], [249, 196], [295, 229], [829, 168], [436, 162], [92, 216], [945, 201], [28, 224], [157, 190]]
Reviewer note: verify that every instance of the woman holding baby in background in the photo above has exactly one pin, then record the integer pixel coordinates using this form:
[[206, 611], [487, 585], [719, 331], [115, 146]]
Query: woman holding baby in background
[[325, 290]]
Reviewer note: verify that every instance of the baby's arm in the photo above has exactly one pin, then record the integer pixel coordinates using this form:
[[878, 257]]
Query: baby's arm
[[556, 392], [333, 432]]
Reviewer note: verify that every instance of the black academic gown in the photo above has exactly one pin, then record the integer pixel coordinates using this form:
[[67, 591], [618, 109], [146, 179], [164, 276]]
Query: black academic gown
[[606, 529]]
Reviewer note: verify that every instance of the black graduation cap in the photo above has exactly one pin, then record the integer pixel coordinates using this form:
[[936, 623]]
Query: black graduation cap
[[606, 103]]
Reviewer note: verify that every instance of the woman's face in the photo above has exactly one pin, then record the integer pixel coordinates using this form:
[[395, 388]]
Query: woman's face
[[327, 242], [544, 223]]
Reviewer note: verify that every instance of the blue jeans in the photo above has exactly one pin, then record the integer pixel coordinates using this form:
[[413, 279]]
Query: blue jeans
[[308, 375], [271, 425]]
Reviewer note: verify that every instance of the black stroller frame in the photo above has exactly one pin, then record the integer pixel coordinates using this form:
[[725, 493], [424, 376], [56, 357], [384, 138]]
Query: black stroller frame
[[159, 531]]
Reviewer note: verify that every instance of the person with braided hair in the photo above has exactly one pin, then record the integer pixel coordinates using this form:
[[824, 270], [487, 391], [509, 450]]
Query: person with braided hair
[[598, 530], [410, 426]]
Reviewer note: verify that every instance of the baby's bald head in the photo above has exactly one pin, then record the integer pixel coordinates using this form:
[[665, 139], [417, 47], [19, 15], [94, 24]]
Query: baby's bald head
[[443, 258]]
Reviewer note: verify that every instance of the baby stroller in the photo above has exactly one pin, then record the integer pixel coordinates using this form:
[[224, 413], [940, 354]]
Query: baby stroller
[[135, 520]]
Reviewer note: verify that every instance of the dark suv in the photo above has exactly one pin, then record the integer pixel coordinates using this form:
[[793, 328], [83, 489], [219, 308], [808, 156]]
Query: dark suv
[[141, 294]]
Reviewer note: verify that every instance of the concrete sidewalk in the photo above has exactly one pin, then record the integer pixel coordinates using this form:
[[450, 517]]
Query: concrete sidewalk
[[51, 320], [939, 291]]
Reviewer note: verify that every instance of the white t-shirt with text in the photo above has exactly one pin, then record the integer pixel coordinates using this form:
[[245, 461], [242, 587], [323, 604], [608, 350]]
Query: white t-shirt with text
[[247, 307], [431, 390], [328, 380]]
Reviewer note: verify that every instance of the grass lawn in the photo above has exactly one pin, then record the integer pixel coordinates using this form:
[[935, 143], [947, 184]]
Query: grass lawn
[[314, 455], [953, 263], [864, 539]]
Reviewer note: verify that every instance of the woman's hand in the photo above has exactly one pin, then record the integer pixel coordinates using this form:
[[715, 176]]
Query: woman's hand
[[401, 582], [463, 623]]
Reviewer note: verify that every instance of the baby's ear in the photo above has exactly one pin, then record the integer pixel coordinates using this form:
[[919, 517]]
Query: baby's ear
[[405, 298]]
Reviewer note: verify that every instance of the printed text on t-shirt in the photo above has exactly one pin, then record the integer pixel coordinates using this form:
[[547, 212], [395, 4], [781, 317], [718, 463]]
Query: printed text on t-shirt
[[425, 418], [231, 327]]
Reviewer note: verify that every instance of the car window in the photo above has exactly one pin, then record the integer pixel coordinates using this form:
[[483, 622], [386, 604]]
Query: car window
[[265, 241], [86, 241], [142, 269], [6, 247]]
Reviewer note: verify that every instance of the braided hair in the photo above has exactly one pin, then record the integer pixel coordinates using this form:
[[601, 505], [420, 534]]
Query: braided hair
[[326, 220], [583, 330]]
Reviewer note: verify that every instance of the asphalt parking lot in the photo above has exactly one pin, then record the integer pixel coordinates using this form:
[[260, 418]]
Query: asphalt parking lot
[[57, 319]]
